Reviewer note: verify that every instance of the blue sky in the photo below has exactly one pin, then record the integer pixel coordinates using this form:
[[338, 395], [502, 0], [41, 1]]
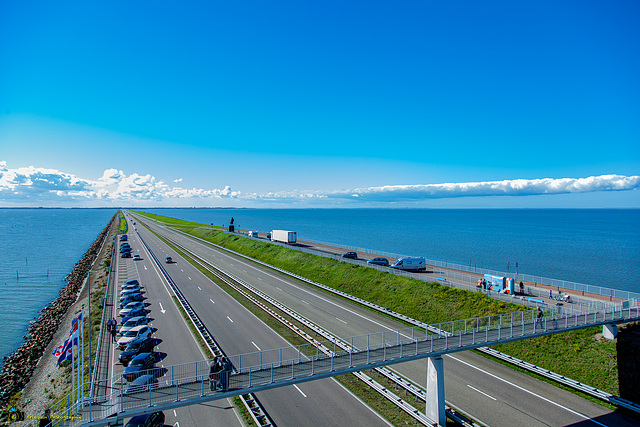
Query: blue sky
[[320, 104]]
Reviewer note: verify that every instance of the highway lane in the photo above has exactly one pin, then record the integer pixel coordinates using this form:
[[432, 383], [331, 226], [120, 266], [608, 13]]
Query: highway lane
[[178, 344], [237, 330], [537, 403]]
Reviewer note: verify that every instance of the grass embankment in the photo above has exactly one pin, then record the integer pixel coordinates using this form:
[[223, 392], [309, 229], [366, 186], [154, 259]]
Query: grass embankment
[[581, 355]]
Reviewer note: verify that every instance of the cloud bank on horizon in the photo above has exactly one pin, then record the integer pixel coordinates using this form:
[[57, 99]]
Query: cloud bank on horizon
[[28, 186]]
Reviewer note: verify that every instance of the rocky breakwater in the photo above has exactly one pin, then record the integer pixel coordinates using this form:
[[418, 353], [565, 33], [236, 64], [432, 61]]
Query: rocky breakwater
[[19, 366]]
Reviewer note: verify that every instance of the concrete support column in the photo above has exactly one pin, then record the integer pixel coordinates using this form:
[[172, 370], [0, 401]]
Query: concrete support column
[[610, 331], [435, 390]]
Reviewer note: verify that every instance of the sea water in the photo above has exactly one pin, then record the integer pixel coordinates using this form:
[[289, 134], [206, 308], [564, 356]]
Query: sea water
[[38, 249], [592, 246]]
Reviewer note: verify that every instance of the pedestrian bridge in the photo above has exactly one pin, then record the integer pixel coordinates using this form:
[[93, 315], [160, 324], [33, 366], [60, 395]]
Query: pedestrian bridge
[[188, 384]]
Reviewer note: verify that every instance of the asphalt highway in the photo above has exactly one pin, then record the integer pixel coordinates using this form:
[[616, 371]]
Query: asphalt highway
[[236, 330], [489, 392]]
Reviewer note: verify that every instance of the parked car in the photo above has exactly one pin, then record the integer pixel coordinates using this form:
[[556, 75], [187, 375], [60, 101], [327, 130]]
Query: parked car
[[123, 238], [125, 248], [133, 322], [168, 260], [131, 289], [379, 261], [134, 313], [130, 307], [125, 255], [136, 257], [142, 331], [131, 282], [131, 298], [138, 365], [142, 383], [155, 419], [350, 255], [136, 347]]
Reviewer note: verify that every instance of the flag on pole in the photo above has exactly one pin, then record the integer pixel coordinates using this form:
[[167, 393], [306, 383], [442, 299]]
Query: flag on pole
[[67, 352]]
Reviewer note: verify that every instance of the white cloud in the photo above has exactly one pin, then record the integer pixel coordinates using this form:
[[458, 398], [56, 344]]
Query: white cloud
[[516, 187], [43, 185], [177, 180], [32, 185]]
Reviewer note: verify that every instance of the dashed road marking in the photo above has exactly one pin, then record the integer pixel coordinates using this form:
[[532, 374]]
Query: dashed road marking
[[481, 392], [229, 319], [340, 320], [299, 390], [254, 344]]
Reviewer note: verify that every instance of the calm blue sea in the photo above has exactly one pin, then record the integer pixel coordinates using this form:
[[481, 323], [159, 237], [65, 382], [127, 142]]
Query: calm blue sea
[[592, 246], [38, 249]]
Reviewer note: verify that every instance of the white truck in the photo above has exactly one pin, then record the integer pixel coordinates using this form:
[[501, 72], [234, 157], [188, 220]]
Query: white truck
[[283, 236], [410, 264]]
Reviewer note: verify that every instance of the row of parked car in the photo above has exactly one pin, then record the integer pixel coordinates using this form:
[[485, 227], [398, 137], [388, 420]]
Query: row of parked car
[[405, 263], [125, 251], [137, 344]]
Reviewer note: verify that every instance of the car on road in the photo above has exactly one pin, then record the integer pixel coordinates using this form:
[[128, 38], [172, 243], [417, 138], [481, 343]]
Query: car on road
[[135, 347], [130, 307], [133, 322], [136, 257], [142, 383], [142, 331], [130, 298], [168, 260], [379, 261], [155, 419], [138, 365], [350, 255]]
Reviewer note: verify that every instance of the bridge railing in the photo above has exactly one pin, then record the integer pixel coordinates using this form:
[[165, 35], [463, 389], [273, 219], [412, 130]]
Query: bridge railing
[[306, 362]]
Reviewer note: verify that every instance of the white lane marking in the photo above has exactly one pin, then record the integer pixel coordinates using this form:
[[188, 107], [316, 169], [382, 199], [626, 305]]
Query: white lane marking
[[212, 302], [254, 344], [527, 391], [145, 267], [199, 288], [189, 277], [174, 413], [182, 270], [337, 318], [259, 278], [229, 319], [244, 271], [162, 309], [304, 301], [332, 303], [481, 392], [300, 390]]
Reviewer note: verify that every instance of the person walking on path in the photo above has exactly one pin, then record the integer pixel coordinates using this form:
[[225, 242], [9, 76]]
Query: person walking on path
[[539, 317], [114, 331], [214, 373]]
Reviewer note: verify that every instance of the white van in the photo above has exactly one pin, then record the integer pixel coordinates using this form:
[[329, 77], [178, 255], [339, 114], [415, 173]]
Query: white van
[[252, 233], [410, 263]]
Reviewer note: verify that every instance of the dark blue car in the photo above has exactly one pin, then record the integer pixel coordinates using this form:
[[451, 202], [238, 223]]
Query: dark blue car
[[149, 420], [138, 365], [136, 347]]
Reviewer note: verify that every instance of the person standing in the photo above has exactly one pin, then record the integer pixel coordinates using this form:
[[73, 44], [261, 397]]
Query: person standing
[[45, 421], [225, 373], [539, 317], [214, 374]]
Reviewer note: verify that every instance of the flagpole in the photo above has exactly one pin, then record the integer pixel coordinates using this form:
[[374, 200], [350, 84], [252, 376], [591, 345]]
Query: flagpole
[[82, 365], [73, 379]]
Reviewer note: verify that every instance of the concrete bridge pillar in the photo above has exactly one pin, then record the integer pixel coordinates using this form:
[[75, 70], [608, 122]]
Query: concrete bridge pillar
[[610, 331], [435, 390]]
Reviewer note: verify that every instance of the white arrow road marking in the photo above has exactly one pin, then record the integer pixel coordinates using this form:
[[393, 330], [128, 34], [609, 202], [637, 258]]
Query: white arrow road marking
[[162, 309]]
